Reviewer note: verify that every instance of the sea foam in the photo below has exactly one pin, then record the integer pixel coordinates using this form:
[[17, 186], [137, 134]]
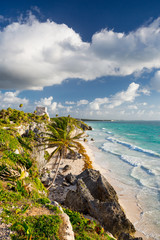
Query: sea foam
[[133, 147]]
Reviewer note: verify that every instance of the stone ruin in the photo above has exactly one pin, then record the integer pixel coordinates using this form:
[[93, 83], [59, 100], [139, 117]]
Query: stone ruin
[[40, 111]]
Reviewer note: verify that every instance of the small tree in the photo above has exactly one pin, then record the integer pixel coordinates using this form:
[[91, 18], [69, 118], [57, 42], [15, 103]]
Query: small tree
[[61, 140]]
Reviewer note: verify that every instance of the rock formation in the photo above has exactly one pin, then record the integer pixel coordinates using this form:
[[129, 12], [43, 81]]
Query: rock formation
[[66, 230], [96, 197]]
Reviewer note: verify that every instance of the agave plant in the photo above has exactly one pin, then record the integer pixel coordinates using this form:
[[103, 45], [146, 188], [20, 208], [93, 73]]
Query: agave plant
[[7, 173]]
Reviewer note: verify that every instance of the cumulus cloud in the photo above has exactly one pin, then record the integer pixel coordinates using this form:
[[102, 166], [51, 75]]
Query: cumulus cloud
[[82, 102], [11, 99], [95, 105], [69, 102], [35, 54], [145, 91], [50, 104], [116, 100], [125, 96], [132, 107], [44, 101], [155, 81]]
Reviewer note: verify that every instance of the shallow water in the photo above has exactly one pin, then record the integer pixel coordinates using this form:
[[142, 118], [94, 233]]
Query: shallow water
[[131, 150]]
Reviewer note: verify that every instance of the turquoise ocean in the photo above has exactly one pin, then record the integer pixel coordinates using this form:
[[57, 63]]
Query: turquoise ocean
[[131, 150]]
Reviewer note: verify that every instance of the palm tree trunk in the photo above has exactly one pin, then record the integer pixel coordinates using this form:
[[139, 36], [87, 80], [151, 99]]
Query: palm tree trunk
[[60, 158]]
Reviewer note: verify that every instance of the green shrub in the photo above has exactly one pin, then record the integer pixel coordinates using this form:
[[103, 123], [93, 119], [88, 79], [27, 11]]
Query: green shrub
[[8, 141], [43, 201], [39, 185], [86, 229], [9, 196], [53, 208], [17, 158], [41, 227]]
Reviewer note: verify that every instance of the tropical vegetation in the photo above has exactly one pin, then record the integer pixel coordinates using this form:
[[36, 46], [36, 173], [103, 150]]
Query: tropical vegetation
[[24, 203], [62, 138]]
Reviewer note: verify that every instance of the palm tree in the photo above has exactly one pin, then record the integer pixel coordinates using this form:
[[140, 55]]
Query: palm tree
[[60, 138]]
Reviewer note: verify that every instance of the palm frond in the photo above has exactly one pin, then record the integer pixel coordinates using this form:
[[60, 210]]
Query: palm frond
[[54, 152]]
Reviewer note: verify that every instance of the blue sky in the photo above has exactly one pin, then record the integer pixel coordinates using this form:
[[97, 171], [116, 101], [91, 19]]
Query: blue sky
[[90, 59]]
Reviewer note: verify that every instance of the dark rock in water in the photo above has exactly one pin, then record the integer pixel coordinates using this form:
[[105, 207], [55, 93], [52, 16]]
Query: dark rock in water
[[66, 168], [127, 236], [70, 179], [92, 139], [96, 197]]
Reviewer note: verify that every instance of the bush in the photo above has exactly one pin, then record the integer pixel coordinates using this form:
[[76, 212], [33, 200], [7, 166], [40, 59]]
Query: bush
[[41, 227], [17, 158], [43, 201]]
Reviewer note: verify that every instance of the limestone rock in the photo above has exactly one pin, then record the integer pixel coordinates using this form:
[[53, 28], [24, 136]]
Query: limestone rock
[[46, 179], [96, 197], [66, 231], [98, 186], [70, 179]]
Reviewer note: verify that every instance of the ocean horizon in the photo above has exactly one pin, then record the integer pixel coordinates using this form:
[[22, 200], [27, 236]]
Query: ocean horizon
[[131, 151]]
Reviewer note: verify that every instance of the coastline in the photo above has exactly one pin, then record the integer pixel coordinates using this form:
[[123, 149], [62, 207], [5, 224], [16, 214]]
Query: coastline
[[127, 199]]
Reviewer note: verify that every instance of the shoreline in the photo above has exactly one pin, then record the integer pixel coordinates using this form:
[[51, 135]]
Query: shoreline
[[127, 200]]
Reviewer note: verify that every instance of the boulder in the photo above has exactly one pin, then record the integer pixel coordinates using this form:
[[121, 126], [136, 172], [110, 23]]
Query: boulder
[[70, 179], [96, 197], [98, 186], [66, 168]]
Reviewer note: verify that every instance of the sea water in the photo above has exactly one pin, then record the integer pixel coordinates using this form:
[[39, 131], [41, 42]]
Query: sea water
[[131, 149]]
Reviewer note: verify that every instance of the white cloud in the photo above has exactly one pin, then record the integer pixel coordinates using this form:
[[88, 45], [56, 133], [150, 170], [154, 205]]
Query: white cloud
[[53, 107], [96, 104], [116, 100], [35, 54], [144, 104], [82, 102], [60, 105], [44, 101], [11, 99], [132, 107], [125, 96], [145, 91], [155, 81], [69, 102]]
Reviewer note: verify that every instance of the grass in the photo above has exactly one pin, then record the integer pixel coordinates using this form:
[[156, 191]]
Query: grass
[[42, 227]]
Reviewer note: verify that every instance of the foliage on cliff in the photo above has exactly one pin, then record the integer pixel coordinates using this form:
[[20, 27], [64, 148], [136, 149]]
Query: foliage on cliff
[[12, 117], [21, 190]]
